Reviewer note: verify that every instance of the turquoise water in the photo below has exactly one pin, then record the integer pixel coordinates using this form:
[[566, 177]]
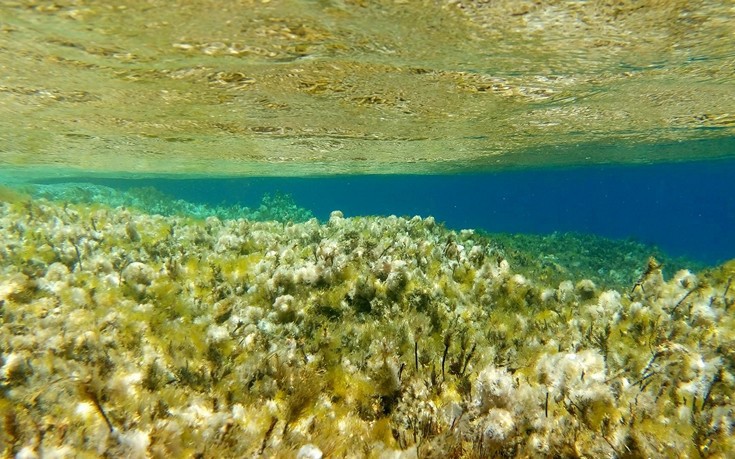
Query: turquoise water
[[367, 229], [685, 209]]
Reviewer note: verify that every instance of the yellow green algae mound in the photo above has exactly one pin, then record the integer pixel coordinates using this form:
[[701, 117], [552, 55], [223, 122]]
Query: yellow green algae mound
[[125, 334]]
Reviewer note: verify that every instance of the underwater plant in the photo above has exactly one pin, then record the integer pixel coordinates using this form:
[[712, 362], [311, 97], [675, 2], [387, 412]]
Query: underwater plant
[[124, 333], [273, 207]]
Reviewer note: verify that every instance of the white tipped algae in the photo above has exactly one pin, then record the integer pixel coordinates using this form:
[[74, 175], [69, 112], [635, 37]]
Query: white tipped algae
[[124, 334]]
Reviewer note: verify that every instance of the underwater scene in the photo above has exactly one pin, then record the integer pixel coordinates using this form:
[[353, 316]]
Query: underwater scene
[[367, 229]]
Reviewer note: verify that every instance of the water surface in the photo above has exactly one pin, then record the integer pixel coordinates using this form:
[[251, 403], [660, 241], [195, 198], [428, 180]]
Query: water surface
[[304, 87]]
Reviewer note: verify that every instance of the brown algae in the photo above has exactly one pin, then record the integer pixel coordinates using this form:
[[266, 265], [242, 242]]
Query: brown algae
[[128, 334]]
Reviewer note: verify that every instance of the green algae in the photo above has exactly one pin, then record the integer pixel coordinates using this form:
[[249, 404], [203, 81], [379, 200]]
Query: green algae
[[273, 207], [608, 263], [361, 337]]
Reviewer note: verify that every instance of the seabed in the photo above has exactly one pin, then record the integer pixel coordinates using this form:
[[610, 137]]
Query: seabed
[[152, 331], [129, 334]]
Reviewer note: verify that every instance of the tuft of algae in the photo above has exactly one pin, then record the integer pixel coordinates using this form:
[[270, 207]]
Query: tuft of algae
[[126, 334]]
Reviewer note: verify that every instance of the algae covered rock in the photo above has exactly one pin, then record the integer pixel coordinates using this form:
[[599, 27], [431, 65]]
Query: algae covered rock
[[361, 337]]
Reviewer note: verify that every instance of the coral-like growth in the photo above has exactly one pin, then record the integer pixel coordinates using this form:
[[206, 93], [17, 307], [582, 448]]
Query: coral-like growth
[[127, 334]]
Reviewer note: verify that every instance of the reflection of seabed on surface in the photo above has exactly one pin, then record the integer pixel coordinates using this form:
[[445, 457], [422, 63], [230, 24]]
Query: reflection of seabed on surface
[[374, 157], [359, 88]]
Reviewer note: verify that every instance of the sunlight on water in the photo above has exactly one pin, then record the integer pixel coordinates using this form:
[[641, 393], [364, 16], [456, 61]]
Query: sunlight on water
[[367, 229], [303, 87]]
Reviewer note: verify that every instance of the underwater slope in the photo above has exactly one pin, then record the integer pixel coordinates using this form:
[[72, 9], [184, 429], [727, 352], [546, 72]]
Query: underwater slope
[[130, 334]]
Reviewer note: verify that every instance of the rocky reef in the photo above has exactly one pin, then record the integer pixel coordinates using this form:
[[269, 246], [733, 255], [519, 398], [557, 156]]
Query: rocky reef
[[128, 334]]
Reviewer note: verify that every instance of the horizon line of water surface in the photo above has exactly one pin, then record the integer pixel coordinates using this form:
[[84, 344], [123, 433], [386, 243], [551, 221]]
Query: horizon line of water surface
[[686, 209]]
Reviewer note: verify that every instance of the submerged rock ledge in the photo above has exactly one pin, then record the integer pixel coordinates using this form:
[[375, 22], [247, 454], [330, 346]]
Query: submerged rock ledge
[[125, 334]]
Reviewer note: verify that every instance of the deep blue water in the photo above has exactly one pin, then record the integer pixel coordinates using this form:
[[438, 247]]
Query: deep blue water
[[686, 209]]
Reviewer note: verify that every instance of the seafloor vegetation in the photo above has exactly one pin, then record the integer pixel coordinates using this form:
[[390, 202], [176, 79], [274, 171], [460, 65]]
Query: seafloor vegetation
[[279, 206], [128, 334]]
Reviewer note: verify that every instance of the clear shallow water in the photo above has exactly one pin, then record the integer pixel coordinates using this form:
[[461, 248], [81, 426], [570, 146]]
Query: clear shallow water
[[686, 209], [171, 336]]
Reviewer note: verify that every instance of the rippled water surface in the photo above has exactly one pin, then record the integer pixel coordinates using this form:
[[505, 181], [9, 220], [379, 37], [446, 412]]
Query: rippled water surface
[[520, 209], [313, 87]]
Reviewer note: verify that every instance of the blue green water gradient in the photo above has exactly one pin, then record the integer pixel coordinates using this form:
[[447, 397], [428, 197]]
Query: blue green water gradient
[[686, 209]]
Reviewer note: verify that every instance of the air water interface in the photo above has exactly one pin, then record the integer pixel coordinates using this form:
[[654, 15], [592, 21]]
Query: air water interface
[[381, 229]]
